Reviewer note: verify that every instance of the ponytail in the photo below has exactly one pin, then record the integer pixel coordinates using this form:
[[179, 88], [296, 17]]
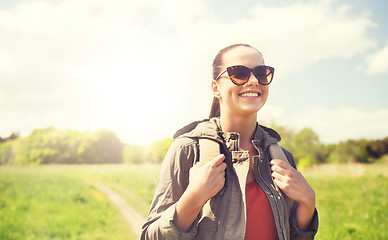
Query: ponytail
[[215, 110]]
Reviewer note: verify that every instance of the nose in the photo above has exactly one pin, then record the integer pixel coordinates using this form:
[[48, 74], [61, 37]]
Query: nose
[[252, 80]]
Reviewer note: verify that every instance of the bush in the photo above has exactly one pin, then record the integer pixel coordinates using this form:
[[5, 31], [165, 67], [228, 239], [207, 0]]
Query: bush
[[49, 145]]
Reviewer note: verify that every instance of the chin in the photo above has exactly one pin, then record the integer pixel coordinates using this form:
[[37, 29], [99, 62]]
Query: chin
[[254, 108], [251, 110]]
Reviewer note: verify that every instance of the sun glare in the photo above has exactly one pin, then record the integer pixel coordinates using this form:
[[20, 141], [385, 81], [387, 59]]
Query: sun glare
[[131, 95]]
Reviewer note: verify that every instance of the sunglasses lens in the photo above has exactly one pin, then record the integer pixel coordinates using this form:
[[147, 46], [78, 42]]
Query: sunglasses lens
[[238, 74], [264, 74]]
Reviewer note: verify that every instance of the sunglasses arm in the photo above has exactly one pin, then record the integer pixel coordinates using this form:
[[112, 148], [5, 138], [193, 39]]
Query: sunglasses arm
[[220, 75]]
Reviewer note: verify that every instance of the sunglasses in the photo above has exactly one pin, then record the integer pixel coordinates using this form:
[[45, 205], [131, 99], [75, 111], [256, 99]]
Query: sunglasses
[[240, 74]]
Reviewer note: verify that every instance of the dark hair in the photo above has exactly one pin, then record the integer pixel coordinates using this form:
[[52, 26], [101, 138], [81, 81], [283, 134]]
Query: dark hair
[[217, 68]]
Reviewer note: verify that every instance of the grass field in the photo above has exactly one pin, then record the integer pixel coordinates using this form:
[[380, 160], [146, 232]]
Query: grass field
[[39, 204], [60, 202], [352, 201]]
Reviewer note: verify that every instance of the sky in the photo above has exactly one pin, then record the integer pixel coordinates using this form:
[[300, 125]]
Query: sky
[[143, 68]]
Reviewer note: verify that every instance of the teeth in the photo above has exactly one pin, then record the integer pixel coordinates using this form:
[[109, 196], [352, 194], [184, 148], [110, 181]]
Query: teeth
[[249, 94]]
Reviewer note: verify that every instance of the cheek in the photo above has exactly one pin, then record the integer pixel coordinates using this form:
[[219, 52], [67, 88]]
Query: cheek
[[264, 96], [265, 91], [226, 96], [227, 90]]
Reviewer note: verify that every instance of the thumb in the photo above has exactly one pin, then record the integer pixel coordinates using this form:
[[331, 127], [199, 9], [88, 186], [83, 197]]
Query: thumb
[[215, 162]]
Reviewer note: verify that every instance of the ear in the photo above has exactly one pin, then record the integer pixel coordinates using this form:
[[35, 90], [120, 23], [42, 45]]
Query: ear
[[215, 89]]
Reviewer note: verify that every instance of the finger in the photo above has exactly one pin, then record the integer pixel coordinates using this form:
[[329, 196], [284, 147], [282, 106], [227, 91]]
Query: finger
[[279, 183], [217, 160], [279, 169], [222, 182], [222, 166], [217, 170], [279, 177], [220, 169], [220, 177], [280, 163]]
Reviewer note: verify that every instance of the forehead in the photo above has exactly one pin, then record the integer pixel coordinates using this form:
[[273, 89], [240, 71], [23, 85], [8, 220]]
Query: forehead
[[242, 56]]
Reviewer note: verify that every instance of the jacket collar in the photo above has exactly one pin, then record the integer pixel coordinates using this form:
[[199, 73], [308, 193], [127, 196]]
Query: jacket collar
[[210, 129]]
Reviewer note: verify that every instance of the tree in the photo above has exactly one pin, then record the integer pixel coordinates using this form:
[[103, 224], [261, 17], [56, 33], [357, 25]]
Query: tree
[[377, 148], [13, 136], [49, 145], [159, 149], [350, 151], [307, 148], [101, 147], [287, 136]]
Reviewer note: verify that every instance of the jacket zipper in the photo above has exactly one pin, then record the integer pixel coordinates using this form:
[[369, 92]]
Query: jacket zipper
[[274, 193]]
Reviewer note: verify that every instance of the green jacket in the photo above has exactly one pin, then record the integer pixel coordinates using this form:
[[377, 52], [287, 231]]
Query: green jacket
[[223, 216]]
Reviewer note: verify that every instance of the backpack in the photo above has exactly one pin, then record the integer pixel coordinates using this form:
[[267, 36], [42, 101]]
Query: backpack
[[209, 149]]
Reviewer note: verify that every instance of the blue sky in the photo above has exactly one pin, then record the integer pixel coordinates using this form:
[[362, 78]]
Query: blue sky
[[143, 68]]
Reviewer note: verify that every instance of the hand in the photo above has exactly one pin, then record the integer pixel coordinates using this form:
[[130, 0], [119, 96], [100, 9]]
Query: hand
[[292, 183], [206, 180], [295, 186]]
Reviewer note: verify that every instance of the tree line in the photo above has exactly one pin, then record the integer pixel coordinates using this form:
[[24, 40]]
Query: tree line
[[53, 146], [309, 150], [50, 145]]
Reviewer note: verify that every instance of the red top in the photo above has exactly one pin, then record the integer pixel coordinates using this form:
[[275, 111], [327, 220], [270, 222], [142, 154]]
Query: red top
[[260, 221]]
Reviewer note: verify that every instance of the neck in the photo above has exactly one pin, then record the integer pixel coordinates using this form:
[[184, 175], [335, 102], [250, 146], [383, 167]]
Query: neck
[[244, 125]]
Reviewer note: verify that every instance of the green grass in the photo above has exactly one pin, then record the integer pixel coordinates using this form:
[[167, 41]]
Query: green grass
[[60, 202], [135, 183], [39, 204], [352, 202], [351, 208]]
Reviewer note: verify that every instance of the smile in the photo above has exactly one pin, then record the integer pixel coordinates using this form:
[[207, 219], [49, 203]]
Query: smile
[[249, 94]]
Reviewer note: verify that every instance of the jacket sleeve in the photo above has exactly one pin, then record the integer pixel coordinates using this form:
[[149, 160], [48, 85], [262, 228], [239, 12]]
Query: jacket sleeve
[[295, 232], [172, 182], [298, 234]]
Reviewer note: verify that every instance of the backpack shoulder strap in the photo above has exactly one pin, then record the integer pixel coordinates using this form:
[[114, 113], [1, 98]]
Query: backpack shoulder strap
[[208, 150], [277, 153]]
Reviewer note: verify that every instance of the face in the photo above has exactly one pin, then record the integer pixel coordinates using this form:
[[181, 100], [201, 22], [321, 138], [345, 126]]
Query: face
[[245, 99]]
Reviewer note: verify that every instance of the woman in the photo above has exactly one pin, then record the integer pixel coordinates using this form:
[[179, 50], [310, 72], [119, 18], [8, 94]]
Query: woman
[[234, 195]]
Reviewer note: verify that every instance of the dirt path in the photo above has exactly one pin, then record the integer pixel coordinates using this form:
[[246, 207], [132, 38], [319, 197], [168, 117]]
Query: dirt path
[[134, 219]]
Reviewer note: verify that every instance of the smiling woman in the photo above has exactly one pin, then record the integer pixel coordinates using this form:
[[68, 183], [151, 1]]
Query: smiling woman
[[233, 195]]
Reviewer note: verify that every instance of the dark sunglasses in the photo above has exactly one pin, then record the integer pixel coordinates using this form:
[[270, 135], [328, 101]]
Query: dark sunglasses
[[240, 74]]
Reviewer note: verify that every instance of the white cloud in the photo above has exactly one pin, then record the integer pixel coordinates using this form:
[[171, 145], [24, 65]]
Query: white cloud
[[378, 62], [134, 66], [299, 35], [333, 125]]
